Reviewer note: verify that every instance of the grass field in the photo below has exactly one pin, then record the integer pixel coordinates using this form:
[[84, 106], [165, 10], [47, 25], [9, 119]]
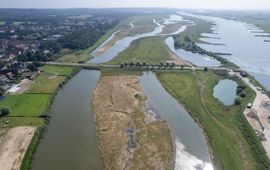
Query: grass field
[[60, 70], [27, 104], [45, 84], [261, 22], [151, 50], [233, 142]]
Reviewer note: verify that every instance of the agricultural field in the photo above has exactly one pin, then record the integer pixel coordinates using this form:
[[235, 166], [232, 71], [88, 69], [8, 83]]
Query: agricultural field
[[46, 83], [233, 143], [26, 104]]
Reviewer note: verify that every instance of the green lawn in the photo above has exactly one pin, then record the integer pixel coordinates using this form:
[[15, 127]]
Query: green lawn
[[233, 142], [46, 84], [26, 104], [151, 50], [60, 70]]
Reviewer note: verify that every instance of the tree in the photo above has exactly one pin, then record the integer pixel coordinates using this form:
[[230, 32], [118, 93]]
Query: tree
[[4, 111], [237, 101], [2, 91], [205, 69]]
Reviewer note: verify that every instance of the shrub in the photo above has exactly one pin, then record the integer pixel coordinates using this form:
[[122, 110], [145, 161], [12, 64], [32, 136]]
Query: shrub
[[4, 111], [237, 101]]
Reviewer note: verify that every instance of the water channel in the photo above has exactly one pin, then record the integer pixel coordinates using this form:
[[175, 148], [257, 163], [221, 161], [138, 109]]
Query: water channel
[[191, 151], [249, 51], [70, 139]]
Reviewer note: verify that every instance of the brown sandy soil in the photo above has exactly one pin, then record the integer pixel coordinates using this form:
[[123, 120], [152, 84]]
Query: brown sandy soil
[[131, 31], [116, 109], [13, 145]]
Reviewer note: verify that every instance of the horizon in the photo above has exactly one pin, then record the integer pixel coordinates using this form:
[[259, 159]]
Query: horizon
[[104, 4]]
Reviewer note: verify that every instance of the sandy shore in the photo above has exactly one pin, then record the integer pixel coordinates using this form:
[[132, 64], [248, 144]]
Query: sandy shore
[[13, 145], [126, 140]]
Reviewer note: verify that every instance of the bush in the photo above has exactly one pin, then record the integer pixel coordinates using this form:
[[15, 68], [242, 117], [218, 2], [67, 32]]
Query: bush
[[243, 95], [4, 111], [237, 101]]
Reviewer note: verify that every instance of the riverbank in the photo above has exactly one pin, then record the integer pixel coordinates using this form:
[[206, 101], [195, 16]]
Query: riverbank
[[126, 140], [223, 126], [30, 108], [258, 114]]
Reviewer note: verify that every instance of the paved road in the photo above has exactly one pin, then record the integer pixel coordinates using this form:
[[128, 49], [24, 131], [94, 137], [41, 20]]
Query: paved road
[[99, 66]]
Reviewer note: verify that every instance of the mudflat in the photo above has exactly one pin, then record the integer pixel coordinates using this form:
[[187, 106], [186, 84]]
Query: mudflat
[[126, 139]]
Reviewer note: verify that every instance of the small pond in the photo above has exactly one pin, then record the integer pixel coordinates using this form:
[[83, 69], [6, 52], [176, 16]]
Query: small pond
[[225, 91]]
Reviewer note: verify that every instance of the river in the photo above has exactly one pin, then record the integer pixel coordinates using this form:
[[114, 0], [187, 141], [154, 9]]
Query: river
[[249, 51], [70, 139], [191, 151]]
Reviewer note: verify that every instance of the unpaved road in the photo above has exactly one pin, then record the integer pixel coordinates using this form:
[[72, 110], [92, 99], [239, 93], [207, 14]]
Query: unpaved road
[[13, 145]]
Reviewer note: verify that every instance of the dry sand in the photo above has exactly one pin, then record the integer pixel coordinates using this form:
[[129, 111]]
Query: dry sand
[[117, 109], [13, 145]]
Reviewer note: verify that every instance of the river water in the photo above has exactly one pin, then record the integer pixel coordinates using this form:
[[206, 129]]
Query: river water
[[69, 142], [191, 151], [70, 139], [249, 51]]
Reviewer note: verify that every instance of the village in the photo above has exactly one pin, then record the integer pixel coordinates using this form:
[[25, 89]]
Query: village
[[34, 41]]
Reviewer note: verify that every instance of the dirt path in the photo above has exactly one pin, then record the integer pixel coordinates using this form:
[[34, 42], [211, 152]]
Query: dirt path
[[13, 145], [126, 139]]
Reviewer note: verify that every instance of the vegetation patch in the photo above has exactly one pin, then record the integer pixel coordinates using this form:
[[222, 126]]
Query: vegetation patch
[[21, 121], [60, 70], [46, 84], [120, 71], [26, 104], [151, 50], [233, 142]]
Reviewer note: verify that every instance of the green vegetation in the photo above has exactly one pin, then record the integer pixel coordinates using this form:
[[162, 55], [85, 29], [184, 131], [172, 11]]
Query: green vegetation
[[26, 163], [21, 121], [194, 32], [60, 70], [26, 104], [2, 22], [261, 22], [151, 50], [187, 40], [46, 84], [120, 71], [233, 142], [66, 55]]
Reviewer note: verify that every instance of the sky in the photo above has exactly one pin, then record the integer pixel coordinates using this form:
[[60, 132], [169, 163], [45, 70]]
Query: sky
[[197, 4]]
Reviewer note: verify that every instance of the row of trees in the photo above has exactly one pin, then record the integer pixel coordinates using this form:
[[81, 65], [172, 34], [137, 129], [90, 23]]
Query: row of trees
[[145, 65]]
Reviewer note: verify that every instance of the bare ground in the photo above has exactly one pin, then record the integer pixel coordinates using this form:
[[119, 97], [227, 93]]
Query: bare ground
[[257, 116], [117, 109], [13, 145]]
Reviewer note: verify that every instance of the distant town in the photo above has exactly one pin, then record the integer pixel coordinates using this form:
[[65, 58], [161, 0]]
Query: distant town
[[23, 44]]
